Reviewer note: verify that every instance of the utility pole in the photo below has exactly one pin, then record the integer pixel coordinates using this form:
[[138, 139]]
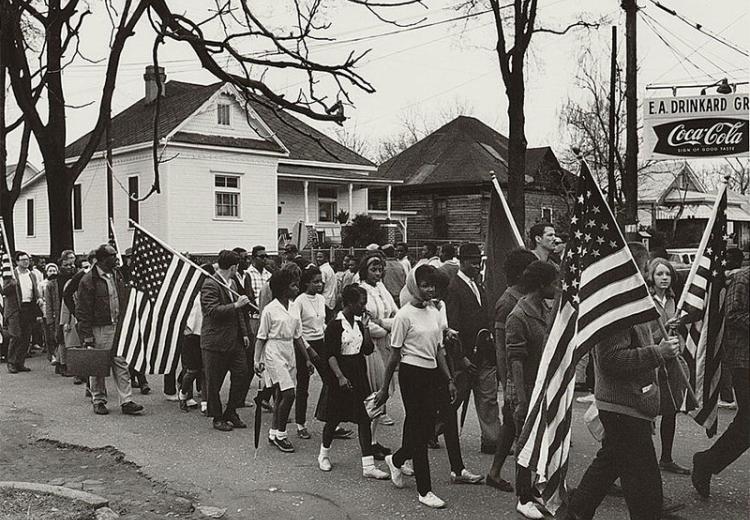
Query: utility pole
[[110, 194], [612, 183], [630, 176]]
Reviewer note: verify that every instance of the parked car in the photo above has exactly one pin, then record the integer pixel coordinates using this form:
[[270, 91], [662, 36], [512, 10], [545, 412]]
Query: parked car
[[682, 256]]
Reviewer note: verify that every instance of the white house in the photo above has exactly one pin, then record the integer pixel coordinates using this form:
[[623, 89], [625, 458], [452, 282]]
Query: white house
[[231, 174]]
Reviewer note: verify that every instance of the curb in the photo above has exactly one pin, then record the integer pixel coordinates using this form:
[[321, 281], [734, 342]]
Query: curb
[[94, 501]]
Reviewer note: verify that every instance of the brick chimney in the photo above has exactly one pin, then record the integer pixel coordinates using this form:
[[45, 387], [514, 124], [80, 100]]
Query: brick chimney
[[150, 80]]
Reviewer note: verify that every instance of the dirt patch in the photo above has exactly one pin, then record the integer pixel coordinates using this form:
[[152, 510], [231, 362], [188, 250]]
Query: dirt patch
[[25, 505]]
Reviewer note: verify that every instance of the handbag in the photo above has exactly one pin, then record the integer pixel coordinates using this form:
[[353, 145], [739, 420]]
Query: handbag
[[89, 362]]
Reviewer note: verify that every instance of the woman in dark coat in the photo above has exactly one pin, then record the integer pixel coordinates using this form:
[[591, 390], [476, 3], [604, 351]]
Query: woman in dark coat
[[347, 342]]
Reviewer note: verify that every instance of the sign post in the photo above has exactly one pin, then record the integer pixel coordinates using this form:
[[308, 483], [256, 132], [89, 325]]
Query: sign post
[[696, 126]]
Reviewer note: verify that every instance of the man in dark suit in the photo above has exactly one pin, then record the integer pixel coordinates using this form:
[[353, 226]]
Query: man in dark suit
[[22, 307], [224, 340], [245, 285], [476, 364]]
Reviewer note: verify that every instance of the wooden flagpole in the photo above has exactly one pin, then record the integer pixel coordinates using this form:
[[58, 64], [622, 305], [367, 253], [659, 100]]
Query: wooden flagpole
[[114, 239], [185, 259], [506, 208]]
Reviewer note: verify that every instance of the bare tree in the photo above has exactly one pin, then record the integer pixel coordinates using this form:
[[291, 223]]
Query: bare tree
[[514, 33], [354, 140], [739, 174]]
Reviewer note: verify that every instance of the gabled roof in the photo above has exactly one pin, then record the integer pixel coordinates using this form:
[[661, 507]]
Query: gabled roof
[[134, 126], [656, 181], [463, 151]]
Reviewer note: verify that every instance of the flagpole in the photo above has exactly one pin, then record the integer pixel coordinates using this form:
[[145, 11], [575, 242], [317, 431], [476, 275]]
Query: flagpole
[[114, 239], [184, 258], [506, 208], [702, 246], [7, 250]]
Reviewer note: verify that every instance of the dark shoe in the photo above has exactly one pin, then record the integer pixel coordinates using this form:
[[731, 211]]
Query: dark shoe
[[670, 507], [488, 449], [502, 484], [183, 405], [673, 467], [234, 420], [342, 433], [283, 445], [12, 368], [100, 409], [222, 425], [134, 383], [433, 444], [78, 380], [131, 408], [23, 368], [379, 451], [302, 433], [701, 477], [145, 389]]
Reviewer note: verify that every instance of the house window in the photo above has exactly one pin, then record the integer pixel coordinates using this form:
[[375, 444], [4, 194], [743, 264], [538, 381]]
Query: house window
[[227, 196], [440, 218], [77, 208], [327, 204], [133, 205], [222, 114], [547, 215], [30, 218]]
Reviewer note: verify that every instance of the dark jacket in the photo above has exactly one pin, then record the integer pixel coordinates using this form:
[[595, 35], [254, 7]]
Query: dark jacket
[[71, 289], [247, 290], [625, 365], [11, 294], [525, 336], [93, 302], [51, 303], [468, 317], [223, 325]]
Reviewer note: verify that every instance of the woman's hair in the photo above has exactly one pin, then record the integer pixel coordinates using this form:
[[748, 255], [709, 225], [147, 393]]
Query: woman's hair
[[292, 268], [307, 277], [516, 262], [653, 265], [538, 274], [280, 281], [425, 273], [351, 294], [368, 260]]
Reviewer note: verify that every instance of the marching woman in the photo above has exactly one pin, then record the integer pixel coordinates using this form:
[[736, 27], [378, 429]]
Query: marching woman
[[525, 335], [661, 278], [279, 334], [310, 307], [347, 342], [416, 348], [382, 309]]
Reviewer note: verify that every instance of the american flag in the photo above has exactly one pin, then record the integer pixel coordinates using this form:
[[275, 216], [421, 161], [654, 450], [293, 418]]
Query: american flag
[[603, 291], [163, 288], [703, 308]]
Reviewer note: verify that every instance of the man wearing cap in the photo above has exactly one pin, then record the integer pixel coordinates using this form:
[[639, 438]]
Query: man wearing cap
[[476, 364]]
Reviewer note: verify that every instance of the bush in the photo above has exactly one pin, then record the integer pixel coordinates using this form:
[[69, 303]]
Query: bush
[[364, 230]]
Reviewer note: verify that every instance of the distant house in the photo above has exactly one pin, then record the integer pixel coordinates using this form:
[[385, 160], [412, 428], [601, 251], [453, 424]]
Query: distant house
[[234, 174], [675, 202], [446, 184]]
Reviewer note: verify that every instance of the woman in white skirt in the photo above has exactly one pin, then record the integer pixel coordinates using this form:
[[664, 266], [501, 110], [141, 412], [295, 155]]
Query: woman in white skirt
[[279, 334], [381, 309]]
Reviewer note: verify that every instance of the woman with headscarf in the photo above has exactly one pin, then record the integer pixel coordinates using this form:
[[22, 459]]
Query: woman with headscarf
[[417, 349], [382, 309]]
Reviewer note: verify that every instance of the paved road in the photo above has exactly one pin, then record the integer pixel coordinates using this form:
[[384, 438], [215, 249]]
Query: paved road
[[182, 450]]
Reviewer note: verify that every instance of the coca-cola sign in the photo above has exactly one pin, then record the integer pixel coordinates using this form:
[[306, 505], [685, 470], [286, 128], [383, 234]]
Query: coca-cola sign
[[704, 126]]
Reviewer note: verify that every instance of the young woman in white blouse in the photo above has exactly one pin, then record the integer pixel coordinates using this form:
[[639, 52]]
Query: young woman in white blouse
[[382, 309], [417, 349], [310, 307]]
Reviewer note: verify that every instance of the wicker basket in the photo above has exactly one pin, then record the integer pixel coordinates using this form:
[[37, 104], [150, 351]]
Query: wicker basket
[[87, 362]]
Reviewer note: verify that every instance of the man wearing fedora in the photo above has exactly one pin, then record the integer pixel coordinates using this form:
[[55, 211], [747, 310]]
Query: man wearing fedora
[[476, 365]]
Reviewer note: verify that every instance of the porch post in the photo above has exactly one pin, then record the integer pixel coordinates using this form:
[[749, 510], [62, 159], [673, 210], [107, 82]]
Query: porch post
[[306, 185], [351, 200], [388, 202]]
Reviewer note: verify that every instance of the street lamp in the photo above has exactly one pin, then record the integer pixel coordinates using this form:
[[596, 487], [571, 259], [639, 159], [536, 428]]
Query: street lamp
[[723, 87]]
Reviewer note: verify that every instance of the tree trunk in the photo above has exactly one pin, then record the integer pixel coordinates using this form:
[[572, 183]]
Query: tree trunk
[[59, 194], [7, 203], [517, 147]]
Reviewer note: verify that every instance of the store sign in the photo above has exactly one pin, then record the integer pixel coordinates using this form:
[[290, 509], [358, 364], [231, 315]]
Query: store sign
[[698, 126]]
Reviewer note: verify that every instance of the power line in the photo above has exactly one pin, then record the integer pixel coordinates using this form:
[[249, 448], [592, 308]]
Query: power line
[[700, 28], [674, 51]]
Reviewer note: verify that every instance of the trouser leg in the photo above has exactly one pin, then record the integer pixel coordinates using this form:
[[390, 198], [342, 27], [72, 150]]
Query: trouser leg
[[238, 378], [485, 401], [301, 390], [637, 467], [505, 441], [216, 367], [448, 416]]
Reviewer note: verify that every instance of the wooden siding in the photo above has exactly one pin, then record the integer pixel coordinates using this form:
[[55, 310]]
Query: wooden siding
[[206, 122]]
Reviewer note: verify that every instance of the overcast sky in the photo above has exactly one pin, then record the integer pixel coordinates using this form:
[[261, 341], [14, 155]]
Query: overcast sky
[[427, 71]]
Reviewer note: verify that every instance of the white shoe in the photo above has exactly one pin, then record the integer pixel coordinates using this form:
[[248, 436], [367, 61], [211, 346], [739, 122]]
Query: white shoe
[[727, 406], [374, 472], [386, 420], [529, 510], [585, 399], [192, 403], [431, 500], [173, 397], [324, 463], [396, 476], [407, 470], [466, 477]]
